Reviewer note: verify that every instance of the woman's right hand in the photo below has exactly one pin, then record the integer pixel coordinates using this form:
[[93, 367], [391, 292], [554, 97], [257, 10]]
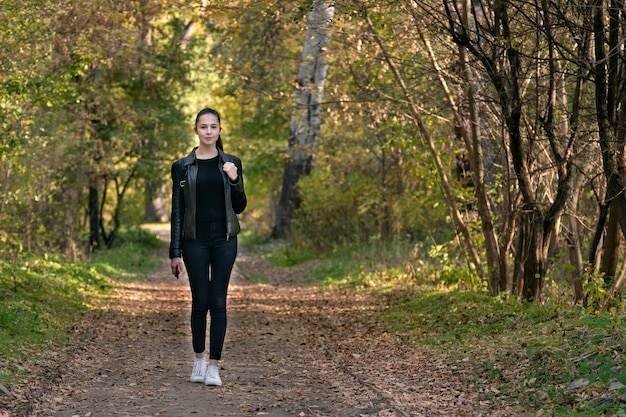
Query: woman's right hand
[[177, 266]]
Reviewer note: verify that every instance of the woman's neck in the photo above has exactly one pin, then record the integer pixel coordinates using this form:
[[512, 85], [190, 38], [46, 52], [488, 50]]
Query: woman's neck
[[206, 152]]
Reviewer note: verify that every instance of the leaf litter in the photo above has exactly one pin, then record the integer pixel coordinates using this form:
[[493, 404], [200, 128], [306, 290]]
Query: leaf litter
[[291, 350]]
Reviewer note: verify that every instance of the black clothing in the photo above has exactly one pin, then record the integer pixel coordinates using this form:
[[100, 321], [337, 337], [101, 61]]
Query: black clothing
[[204, 229], [184, 185], [211, 205], [209, 260]]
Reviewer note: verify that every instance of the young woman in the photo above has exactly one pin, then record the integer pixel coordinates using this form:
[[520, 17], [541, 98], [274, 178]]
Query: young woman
[[207, 195]]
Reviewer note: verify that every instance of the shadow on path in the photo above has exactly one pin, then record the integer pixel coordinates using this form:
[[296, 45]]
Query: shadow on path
[[290, 351]]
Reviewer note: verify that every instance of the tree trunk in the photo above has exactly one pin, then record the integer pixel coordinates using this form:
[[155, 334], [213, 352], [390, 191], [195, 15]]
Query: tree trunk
[[572, 237], [155, 203], [535, 255], [474, 149], [536, 223], [497, 275], [576, 258], [306, 119], [294, 170], [611, 130], [612, 239], [94, 213], [120, 192], [593, 255], [460, 225]]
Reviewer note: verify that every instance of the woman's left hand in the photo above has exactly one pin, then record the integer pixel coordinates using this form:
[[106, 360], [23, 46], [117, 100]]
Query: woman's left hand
[[231, 170]]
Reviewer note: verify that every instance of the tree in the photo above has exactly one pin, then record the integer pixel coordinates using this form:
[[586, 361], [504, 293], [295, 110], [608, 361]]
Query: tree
[[610, 97], [306, 117], [496, 255], [491, 40], [98, 96], [427, 137]]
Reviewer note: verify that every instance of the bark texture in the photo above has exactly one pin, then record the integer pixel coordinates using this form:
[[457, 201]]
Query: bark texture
[[306, 118]]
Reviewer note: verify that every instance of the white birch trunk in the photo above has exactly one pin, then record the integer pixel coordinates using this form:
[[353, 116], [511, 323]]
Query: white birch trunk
[[306, 118]]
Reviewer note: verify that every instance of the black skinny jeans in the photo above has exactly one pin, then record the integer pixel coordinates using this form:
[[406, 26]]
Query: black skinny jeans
[[209, 260]]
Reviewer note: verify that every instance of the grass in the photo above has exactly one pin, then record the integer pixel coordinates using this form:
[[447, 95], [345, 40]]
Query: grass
[[553, 360], [374, 266], [44, 298]]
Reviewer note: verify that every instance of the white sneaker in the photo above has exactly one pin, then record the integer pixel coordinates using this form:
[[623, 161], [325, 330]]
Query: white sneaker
[[212, 376], [198, 373]]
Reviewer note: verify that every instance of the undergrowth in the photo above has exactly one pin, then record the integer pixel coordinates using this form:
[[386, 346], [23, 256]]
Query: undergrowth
[[553, 359], [44, 298]]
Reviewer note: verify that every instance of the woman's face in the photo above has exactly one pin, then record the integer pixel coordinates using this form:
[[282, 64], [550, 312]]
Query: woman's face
[[208, 129]]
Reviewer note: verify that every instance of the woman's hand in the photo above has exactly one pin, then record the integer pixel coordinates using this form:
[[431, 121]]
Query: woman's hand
[[177, 266], [231, 170]]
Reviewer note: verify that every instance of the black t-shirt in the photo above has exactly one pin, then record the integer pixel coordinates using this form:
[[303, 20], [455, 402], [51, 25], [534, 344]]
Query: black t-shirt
[[210, 200]]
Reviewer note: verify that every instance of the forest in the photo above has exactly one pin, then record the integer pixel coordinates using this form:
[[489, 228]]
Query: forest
[[487, 136], [459, 164]]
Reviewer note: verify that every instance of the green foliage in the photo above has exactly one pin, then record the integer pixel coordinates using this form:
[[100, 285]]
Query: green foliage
[[255, 51], [289, 256], [41, 297], [254, 232], [596, 291], [335, 211], [445, 261], [372, 265], [344, 201], [97, 108], [44, 299], [140, 237]]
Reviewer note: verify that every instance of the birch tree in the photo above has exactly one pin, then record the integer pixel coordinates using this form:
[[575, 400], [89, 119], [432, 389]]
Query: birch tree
[[304, 125]]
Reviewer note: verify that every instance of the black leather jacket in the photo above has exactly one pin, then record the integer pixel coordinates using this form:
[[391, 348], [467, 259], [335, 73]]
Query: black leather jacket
[[183, 219]]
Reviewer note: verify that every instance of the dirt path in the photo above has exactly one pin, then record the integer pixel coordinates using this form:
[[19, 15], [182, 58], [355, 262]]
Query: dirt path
[[290, 351]]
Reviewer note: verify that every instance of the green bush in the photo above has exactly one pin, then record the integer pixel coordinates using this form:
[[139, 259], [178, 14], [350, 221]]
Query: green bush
[[353, 208]]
